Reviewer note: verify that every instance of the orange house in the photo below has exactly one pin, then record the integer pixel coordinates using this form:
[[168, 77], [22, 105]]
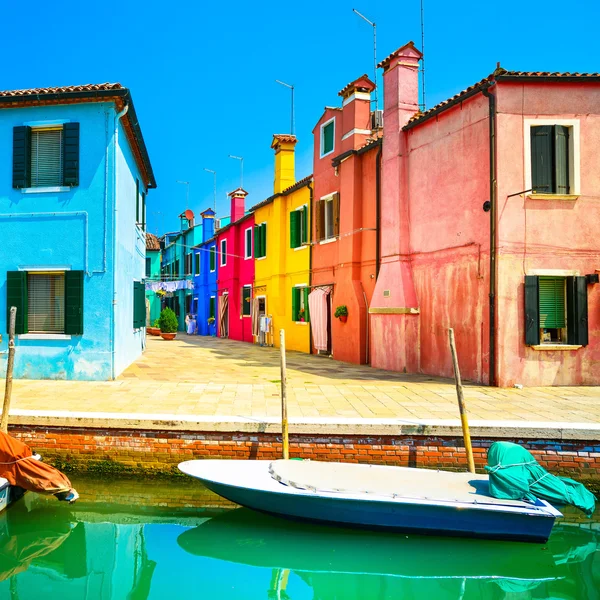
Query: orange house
[[346, 162]]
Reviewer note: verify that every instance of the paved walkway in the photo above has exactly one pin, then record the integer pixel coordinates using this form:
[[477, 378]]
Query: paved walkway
[[215, 378]]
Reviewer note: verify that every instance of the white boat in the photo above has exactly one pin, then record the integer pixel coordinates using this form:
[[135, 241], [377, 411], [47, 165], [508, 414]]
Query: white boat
[[373, 496]]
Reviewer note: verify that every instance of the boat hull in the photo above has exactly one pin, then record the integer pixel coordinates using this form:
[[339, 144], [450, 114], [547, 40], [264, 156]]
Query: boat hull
[[415, 517]]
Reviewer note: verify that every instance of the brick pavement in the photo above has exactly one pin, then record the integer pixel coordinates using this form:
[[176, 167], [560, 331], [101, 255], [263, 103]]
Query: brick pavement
[[222, 378]]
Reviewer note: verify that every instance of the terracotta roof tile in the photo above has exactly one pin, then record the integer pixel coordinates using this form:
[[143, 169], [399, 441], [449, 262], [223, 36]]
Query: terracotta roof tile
[[88, 87], [152, 242], [369, 84], [292, 188], [386, 61], [283, 137]]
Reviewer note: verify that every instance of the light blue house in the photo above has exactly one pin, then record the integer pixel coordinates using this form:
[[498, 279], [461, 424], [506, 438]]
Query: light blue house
[[205, 278], [73, 189]]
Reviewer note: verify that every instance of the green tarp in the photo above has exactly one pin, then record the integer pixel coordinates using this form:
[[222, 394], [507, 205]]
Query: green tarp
[[516, 475]]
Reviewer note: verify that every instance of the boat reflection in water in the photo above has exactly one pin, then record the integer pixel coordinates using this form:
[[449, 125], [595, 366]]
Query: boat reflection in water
[[350, 564]]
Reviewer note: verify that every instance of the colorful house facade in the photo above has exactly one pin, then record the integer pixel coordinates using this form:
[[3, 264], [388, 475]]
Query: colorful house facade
[[235, 244], [73, 205], [489, 213], [153, 304], [282, 254], [346, 166], [205, 277]]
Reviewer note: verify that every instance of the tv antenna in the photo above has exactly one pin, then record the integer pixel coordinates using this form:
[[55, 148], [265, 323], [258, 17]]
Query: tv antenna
[[422, 107], [374, 26]]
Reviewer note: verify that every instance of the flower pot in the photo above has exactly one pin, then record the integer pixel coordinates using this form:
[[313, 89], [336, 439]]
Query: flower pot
[[153, 330], [343, 318], [167, 336]]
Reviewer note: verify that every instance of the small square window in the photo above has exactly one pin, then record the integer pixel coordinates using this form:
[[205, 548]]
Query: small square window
[[327, 137]]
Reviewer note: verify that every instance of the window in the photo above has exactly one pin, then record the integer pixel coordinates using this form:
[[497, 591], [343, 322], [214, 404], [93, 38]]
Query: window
[[148, 266], [197, 263], [248, 243], [46, 156], [139, 304], [299, 227], [300, 311], [327, 219], [552, 149], [556, 310], [137, 201], [188, 263], [260, 240], [213, 258], [246, 300], [223, 250], [327, 137], [47, 302], [211, 308], [176, 271]]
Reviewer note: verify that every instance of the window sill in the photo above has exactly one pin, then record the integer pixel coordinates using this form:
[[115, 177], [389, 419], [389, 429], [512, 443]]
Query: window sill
[[44, 336], [300, 247], [569, 197], [46, 190], [301, 322], [260, 258], [328, 241], [559, 347]]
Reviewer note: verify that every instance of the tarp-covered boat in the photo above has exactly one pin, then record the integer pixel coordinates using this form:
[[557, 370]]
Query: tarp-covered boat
[[373, 496]]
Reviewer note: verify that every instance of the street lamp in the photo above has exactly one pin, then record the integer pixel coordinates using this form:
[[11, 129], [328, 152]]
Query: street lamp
[[374, 51], [214, 186], [291, 87], [187, 192], [241, 159]]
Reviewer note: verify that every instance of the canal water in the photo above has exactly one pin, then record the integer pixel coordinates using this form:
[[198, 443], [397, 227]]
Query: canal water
[[138, 540]]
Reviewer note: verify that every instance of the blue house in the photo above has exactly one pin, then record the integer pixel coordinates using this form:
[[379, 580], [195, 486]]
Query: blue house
[[73, 189], [205, 278]]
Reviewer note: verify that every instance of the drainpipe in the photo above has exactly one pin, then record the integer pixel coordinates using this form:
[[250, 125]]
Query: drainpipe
[[309, 236], [378, 209], [114, 240], [493, 206]]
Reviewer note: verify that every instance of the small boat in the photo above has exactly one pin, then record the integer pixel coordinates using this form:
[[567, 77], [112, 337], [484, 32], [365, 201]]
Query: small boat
[[376, 497]]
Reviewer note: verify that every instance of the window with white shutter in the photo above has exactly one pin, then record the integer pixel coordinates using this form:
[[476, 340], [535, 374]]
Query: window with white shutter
[[46, 156]]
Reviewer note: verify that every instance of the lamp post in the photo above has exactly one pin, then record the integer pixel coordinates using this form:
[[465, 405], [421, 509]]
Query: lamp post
[[214, 186], [241, 159], [187, 193], [374, 52], [291, 87]]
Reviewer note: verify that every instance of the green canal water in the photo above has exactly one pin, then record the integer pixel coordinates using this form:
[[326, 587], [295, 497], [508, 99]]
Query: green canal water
[[138, 540]]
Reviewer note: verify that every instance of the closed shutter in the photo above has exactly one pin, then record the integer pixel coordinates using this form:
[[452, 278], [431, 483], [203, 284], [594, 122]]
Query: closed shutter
[[197, 263], [47, 157], [552, 302], [532, 308], [561, 159], [577, 311], [542, 175], [263, 240], [71, 154], [257, 253], [74, 302], [304, 239], [143, 211], [21, 175], [336, 214], [294, 223], [320, 221], [139, 304], [305, 292], [16, 295], [328, 131], [137, 201], [295, 303]]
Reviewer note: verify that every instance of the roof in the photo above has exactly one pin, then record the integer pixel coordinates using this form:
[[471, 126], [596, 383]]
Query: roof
[[229, 225], [364, 148], [384, 64], [101, 92], [238, 191], [367, 85], [283, 138], [152, 242], [500, 74], [292, 188]]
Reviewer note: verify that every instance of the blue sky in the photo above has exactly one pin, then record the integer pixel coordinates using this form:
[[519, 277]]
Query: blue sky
[[202, 74]]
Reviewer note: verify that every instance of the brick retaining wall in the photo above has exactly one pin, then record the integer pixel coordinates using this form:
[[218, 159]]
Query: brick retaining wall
[[89, 449]]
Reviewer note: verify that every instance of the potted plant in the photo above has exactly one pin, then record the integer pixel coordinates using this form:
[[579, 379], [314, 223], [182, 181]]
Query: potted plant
[[301, 314], [210, 320], [168, 324], [154, 329], [341, 313]]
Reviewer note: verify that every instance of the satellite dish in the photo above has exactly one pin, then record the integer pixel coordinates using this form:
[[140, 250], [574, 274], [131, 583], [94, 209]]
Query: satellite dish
[[189, 214]]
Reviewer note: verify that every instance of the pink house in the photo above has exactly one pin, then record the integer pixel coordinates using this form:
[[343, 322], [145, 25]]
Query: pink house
[[490, 210], [235, 272]]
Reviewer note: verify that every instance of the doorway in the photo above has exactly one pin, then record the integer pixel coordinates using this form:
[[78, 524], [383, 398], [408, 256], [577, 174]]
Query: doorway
[[224, 315]]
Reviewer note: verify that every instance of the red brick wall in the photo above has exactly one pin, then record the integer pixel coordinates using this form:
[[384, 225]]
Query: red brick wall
[[155, 451]]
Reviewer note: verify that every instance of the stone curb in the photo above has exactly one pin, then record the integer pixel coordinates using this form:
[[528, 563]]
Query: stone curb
[[545, 430]]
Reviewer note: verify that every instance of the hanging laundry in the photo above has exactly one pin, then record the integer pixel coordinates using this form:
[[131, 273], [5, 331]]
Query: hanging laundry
[[319, 317]]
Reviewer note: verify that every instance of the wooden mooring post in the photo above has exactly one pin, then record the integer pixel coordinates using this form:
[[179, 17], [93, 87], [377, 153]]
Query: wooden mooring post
[[285, 437], [461, 403], [9, 369]]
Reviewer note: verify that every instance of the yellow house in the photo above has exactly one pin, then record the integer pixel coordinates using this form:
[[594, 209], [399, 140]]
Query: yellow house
[[282, 253]]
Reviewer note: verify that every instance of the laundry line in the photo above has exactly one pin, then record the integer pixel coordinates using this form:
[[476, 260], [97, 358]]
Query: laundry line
[[169, 286]]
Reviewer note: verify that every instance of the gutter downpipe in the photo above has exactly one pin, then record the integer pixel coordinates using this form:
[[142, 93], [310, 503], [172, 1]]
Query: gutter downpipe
[[310, 203], [493, 208], [118, 116], [378, 209]]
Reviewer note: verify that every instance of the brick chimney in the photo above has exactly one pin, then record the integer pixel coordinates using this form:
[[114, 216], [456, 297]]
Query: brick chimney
[[208, 224], [238, 200], [356, 113], [284, 144]]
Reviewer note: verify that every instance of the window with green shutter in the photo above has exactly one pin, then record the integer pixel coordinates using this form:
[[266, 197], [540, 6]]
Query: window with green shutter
[[299, 227], [246, 300], [212, 308], [213, 258], [197, 263], [16, 295], [550, 159], [300, 312], [327, 137], [260, 240], [139, 304], [74, 302]]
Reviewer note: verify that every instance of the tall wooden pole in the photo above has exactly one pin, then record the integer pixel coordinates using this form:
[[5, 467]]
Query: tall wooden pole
[[461, 403], [285, 438], [9, 369]]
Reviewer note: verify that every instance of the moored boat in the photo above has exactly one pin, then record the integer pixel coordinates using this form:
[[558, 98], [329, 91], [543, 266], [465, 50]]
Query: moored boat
[[379, 497]]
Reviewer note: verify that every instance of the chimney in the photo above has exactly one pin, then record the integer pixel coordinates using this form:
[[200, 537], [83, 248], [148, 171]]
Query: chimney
[[356, 113], [284, 161], [238, 208], [401, 87], [208, 224]]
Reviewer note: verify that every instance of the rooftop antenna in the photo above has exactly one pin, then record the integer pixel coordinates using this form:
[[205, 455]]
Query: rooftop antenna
[[422, 107], [214, 186], [374, 52], [291, 87], [187, 192], [241, 159]]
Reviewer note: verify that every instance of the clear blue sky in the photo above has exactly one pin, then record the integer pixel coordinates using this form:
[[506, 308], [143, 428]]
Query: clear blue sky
[[202, 74]]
